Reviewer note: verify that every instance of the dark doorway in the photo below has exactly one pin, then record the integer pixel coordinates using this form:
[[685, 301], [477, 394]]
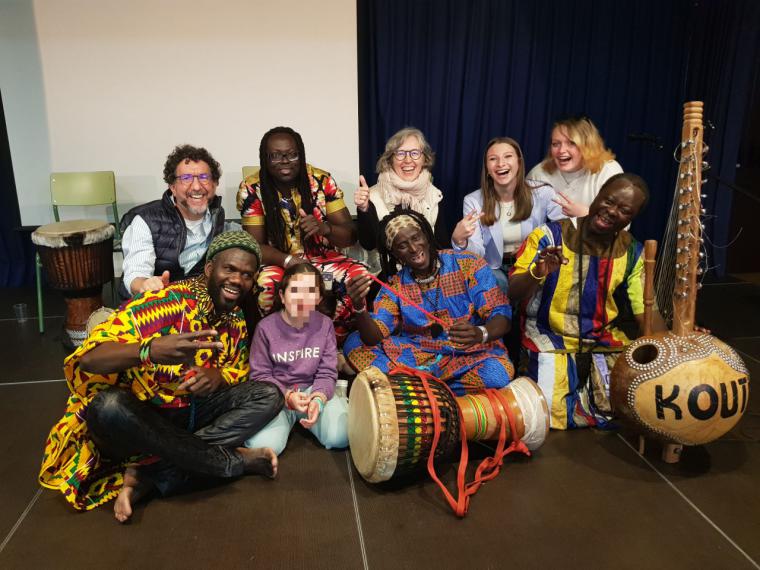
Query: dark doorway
[[16, 257]]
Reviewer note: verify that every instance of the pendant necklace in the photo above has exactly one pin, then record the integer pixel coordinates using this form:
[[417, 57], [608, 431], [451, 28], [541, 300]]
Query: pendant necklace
[[435, 329]]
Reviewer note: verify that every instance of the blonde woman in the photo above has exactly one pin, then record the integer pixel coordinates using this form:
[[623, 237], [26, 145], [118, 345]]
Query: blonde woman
[[577, 165], [404, 182]]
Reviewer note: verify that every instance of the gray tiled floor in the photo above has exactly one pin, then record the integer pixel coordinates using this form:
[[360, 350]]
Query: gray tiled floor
[[585, 498]]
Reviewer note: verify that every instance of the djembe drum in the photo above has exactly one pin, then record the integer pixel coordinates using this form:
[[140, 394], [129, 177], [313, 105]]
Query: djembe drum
[[78, 258], [390, 422]]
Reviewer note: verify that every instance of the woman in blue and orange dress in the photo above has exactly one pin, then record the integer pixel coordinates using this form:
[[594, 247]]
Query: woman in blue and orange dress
[[457, 288], [296, 212]]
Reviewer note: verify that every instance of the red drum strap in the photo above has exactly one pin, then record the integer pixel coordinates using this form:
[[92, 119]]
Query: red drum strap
[[490, 466]]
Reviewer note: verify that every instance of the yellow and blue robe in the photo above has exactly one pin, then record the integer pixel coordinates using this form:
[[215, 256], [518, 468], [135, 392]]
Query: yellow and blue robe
[[611, 276]]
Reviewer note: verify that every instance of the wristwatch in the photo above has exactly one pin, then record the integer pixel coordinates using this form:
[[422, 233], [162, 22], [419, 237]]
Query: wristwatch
[[484, 330]]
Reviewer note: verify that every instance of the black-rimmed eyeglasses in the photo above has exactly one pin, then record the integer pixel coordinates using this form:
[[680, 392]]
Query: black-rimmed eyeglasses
[[414, 154], [278, 157]]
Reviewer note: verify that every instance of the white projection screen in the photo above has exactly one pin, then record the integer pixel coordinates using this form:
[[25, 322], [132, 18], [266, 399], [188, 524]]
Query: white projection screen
[[124, 82]]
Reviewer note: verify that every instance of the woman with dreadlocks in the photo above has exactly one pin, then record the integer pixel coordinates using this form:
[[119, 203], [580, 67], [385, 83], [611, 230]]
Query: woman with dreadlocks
[[296, 212], [433, 288]]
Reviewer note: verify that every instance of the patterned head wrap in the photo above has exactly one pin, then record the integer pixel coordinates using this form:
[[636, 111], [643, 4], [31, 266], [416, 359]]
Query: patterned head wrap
[[239, 240], [396, 225]]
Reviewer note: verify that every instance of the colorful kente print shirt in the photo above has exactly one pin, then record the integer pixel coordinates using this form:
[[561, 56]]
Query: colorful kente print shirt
[[71, 462], [609, 277], [326, 196]]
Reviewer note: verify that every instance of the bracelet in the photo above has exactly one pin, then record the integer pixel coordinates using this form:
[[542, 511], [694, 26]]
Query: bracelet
[[144, 352], [536, 277], [359, 311], [484, 331], [320, 401], [288, 259]]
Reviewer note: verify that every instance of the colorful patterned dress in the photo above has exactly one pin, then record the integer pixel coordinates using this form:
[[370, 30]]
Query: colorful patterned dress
[[327, 198], [611, 277], [72, 463], [465, 289]]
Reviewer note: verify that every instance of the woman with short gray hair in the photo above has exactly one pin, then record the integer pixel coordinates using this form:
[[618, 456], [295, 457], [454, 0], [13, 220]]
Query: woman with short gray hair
[[404, 182]]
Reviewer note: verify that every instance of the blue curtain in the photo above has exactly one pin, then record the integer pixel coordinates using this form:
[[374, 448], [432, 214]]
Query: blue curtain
[[16, 249], [464, 72]]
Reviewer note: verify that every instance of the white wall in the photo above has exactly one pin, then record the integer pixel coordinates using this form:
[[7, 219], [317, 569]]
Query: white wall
[[126, 81], [24, 105]]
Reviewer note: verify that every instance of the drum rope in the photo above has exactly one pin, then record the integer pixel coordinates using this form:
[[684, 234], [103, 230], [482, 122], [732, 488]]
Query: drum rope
[[490, 466]]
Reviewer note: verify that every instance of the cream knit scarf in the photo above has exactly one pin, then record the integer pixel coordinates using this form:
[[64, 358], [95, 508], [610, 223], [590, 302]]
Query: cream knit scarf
[[419, 195]]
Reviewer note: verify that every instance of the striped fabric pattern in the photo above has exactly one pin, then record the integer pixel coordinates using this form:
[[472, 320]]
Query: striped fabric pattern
[[551, 316], [550, 321]]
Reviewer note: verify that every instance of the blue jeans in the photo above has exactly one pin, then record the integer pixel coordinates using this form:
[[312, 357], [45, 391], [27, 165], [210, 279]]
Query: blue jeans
[[331, 428], [122, 426]]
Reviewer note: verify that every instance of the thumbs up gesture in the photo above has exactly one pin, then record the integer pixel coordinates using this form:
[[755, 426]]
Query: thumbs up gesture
[[361, 196], [155, 283]]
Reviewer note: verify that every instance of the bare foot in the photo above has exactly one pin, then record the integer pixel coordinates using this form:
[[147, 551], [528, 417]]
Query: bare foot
[[133, 490], [259, 461]]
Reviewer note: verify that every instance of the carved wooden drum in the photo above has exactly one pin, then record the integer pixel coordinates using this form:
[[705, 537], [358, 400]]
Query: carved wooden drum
[[390, 423], [78, 258]]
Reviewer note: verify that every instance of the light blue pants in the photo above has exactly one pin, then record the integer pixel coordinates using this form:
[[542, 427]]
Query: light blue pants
[[501, 277], [331, 428]]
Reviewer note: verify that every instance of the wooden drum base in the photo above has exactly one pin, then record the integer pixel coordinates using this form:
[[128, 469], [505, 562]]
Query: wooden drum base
[[78, 310]]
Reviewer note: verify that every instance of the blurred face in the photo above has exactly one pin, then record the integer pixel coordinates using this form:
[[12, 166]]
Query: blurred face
[[230, 277], [283, 161], [565, 153], [193, 194], [503, 165], [408, 168], [614, 208], [301, 296], [411, 247]]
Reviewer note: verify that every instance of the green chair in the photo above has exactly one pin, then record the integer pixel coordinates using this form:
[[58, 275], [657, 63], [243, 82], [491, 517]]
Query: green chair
[[80, 189], [249, 171]]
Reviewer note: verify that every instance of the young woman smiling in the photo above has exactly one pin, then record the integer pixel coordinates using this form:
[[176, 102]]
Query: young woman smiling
[[504, 210]]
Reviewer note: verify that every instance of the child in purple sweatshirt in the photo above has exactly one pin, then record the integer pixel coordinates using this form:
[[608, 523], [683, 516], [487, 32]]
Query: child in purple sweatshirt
[[295, 349]]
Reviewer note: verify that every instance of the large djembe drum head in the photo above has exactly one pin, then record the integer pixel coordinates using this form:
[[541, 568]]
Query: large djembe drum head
[[681, 389]]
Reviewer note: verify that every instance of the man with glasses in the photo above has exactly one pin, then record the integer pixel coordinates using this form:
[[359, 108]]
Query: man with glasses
[[167, 239], [297, 213]]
